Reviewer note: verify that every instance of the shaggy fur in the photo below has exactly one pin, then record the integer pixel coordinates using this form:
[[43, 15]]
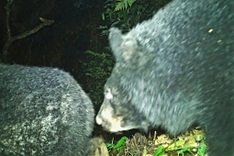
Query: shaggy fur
[[43, 111], [175, 70]]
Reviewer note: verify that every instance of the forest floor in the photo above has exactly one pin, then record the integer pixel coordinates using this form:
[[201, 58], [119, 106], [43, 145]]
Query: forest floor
[[190, 143]]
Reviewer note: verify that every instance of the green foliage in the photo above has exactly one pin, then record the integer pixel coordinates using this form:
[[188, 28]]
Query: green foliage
[[127, 13], [185, 145], [124, 4], [121, 143], [96, 67], [119, 146], [202, 149], [182, 150], [160, 151], [99, 65]]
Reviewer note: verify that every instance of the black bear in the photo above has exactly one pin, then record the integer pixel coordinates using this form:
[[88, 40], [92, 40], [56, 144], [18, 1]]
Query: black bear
[[43, 112], [175, 70]]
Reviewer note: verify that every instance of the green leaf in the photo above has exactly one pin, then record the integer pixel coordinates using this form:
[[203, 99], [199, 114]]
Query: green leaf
[[119, 6], [108, 145], [124, 5], [202, 149], [103, 16], [159, 151], [121, 143], [130, 2]]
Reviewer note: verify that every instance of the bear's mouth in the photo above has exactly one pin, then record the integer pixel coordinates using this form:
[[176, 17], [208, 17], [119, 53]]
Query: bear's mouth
[[110, 123]]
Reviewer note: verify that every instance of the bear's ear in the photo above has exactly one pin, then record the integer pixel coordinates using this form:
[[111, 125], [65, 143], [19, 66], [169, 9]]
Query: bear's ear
[[115, 40], [122, 46]]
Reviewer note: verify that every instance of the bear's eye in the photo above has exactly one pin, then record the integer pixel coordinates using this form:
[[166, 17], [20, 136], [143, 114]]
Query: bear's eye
[[108, 94]]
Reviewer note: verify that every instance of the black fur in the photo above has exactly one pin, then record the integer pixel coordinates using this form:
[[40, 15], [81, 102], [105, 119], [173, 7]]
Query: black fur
[[43, 112], [175, 70]]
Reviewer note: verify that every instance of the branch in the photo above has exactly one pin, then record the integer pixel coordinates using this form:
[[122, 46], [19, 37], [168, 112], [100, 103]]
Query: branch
[[44, 23], [10, 39]]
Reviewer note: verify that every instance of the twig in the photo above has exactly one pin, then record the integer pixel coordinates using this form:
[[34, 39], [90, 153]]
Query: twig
[[10, 39]]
